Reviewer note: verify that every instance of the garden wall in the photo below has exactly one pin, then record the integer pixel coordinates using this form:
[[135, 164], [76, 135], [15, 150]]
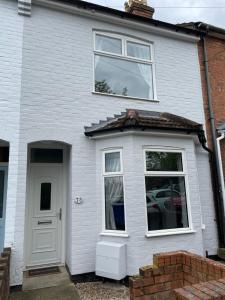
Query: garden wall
[[5, 273], [179, 275]]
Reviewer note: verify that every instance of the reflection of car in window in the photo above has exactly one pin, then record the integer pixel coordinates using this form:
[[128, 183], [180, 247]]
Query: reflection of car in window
[[165, 206], [161, 195]]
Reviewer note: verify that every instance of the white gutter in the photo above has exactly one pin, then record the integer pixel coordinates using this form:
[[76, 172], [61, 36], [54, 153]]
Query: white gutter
[[222, 136]]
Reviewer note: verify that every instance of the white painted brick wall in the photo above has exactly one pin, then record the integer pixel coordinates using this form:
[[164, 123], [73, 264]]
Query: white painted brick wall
[[11, 34], [57, 102], [210, 234]]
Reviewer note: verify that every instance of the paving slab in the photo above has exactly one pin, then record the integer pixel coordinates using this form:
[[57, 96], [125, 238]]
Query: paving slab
[[62, 292], [44, 281]]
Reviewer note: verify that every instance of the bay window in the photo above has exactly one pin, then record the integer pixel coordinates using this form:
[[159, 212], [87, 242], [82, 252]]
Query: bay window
[[165, 188], [113, 191], [123, 66]]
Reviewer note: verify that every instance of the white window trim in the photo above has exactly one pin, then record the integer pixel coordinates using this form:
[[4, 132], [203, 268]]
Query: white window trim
[[124, 56], [111, 174], [184, 173], [167, 232], [119, 233]]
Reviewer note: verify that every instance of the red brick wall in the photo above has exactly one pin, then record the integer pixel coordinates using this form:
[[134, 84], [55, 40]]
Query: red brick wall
[[4, 274], [216, 60], [179, 275]]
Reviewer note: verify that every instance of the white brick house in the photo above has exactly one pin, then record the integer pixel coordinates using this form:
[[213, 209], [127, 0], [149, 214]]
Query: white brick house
[[54, 82]]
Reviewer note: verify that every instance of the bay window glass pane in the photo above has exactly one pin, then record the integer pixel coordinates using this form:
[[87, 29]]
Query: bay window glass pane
[[108, 44], [112, 162], [122, 77], [114, 203], [138, 50], [163, 161], [166, 202]]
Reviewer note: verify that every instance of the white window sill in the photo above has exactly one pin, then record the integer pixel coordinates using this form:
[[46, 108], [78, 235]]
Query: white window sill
[[125, 235], [165, 233], [126, 97]]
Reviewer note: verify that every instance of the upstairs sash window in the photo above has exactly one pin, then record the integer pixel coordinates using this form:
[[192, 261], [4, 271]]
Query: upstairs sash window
[[123, 67]]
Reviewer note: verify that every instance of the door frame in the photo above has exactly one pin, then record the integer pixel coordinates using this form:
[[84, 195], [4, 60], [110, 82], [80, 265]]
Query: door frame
[[4, 167], [64, 165]]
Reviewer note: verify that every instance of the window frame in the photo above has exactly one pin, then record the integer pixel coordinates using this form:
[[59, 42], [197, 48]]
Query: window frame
[[184, 174], [124, 39], [122, 233]]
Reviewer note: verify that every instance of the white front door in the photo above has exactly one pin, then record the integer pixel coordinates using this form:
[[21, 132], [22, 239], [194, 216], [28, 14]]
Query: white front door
[[45, 215]]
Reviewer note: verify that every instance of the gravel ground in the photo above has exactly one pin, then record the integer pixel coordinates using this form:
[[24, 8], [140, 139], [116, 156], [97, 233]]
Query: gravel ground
[[102, 291]]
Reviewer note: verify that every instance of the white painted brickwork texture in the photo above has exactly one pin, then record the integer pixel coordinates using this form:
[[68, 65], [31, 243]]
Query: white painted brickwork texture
[[57, 102], [11, 38]]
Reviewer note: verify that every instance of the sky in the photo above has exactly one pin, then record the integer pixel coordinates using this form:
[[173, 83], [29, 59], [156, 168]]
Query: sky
[[179, 11]]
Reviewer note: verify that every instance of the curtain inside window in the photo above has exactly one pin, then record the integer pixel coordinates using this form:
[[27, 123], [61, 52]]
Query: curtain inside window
[[112, 162], [147, 77], [143, 52], [113, 197]]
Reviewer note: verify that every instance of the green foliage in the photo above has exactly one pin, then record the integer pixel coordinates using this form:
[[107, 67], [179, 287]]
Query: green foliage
[[124, 92], [102, 86]]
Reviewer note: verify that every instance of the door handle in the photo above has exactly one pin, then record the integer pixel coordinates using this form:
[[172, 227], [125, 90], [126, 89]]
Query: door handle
[[60, 214]]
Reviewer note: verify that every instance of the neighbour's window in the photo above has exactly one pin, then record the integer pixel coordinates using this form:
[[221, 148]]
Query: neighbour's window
[[2, 182], [113, 191], [4, 154], [165, 188], [123, 66]]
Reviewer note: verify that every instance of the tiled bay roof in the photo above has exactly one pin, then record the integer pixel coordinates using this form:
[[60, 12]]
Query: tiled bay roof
[[142, 120]]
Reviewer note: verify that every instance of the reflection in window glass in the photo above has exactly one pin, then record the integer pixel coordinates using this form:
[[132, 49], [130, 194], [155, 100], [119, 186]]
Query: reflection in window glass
[[163, 161], [2, 177], [45, 203], [112, 162], [108, 44], [166, 202], [114, 203], [122, 77], [138, 50]]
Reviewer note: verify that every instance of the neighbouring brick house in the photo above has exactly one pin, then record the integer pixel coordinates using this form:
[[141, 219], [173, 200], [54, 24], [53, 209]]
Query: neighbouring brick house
[[212, 52], [101, 135]]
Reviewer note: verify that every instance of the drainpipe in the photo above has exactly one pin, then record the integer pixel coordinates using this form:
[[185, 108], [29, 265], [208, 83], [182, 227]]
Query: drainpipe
[[221, 137], [218, 192]]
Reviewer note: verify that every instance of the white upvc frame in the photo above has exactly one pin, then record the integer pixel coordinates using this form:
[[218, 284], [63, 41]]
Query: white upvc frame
[[123, 56], [63, 166], [122, 233], [184, 174]]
